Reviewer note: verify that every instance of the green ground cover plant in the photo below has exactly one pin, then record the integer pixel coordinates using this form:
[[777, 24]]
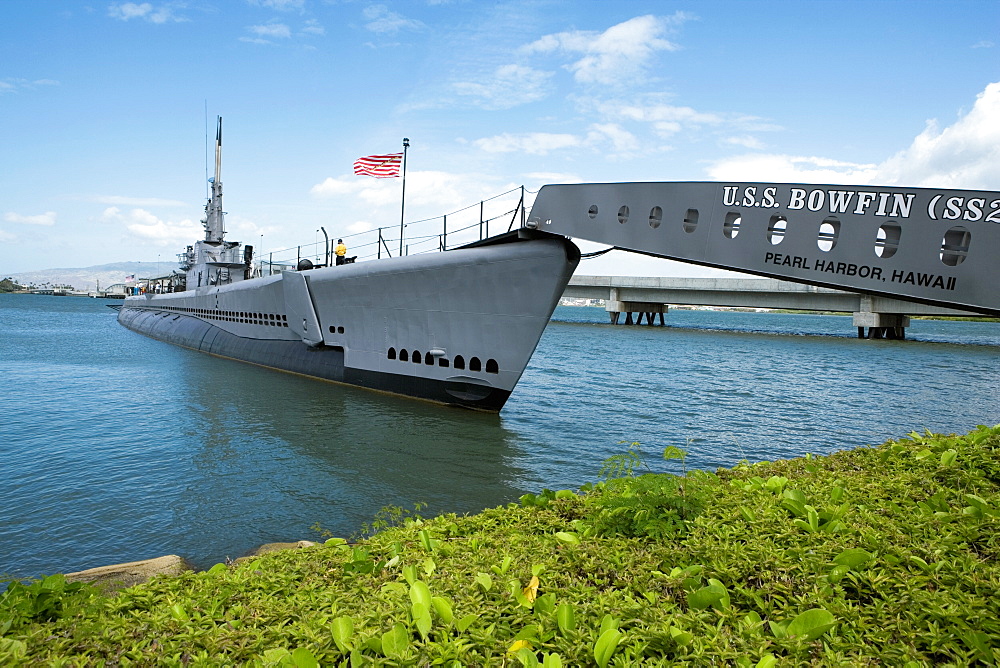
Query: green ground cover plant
[[875, 556]]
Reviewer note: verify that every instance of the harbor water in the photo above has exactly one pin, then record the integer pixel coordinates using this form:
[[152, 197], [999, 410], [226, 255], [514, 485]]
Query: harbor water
[[116, 447]]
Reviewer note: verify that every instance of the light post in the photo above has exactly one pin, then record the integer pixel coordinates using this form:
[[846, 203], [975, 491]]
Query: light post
[[402, 208]]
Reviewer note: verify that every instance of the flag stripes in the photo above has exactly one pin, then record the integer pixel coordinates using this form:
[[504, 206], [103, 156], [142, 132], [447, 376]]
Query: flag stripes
[[379, 166]]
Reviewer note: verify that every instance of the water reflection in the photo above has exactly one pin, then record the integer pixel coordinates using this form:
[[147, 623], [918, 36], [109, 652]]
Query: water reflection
[[275, 453]]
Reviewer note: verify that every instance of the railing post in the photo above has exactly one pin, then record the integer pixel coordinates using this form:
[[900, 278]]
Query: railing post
[[445, 235], [481, 220], [379, 247], [522, 206]]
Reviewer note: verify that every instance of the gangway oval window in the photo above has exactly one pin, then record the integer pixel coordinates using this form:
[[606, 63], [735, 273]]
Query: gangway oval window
[[459, 362], [623, 215], [731, 226], [403, 355], [475, 364], [887, 239], [690, 220], [655, 216], [955, 246], [829, 231], [392, 353], [416, 357], [492, 366], [592, 211], [776, 229]]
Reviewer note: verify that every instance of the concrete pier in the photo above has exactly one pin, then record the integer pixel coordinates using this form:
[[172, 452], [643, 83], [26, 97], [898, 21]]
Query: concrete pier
[[643, 298]]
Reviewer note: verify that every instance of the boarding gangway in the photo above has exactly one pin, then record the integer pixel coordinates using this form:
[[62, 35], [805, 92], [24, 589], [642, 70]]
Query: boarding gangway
[[923, 245]]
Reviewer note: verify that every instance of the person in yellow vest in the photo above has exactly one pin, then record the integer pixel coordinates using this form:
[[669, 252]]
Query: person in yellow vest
[[340, 251]]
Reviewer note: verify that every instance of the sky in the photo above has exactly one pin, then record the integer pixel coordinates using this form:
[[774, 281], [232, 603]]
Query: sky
[[106, 108]]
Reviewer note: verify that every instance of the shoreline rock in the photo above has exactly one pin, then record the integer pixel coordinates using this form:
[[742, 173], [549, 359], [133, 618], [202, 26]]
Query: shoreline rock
[[121, 576]]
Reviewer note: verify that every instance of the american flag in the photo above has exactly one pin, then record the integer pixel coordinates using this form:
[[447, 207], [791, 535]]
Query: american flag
[[379, 166]]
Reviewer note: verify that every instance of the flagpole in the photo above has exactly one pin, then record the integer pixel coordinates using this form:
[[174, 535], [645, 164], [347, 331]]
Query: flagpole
[[402, 208]]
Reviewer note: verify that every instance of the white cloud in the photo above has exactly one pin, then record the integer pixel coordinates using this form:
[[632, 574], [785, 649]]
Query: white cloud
[[7, 236], [280, 5], [532, 143], [313, 27], [147, 226], [126, 11], [12, 85], [598, 136], [359, 227], [279, 30], [510, 86], [745, 141], [137, 201], [47, 218], [382, 21], [622, 141], [791, 169], [620, 54], [964, 155]]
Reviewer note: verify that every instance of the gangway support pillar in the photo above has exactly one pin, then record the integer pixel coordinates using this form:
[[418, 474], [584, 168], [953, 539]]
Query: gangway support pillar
[[879, 325]]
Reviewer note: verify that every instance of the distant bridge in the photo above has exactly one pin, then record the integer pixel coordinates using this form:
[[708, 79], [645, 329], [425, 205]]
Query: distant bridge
[[874, 316]]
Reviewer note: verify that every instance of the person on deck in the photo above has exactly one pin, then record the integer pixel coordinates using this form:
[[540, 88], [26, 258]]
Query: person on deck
[[340, 251]]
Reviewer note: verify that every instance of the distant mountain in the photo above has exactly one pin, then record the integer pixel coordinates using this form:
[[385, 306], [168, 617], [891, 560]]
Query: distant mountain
[[86, 278]]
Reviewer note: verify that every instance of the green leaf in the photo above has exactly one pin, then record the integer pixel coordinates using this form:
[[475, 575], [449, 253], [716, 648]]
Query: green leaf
[[529, 632], [568, 537], [854, 558], [811, 624], [395, 641], [303, 658], [606, 645], [426, 541], [342, 628], [680, 637], [465, 622], [565, 617], [608, 623], [767, 661], [545, 604], [948, 457], [484, 581], [776, 484], [420, 593], [552, 661], [712, 596], [275, 655], [527, 657], [178, 612], [421, 616], [443, 609], [979, 503]]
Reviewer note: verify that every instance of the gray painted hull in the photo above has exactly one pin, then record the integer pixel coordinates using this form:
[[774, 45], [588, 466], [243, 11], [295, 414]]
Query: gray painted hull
[[456, 328]]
